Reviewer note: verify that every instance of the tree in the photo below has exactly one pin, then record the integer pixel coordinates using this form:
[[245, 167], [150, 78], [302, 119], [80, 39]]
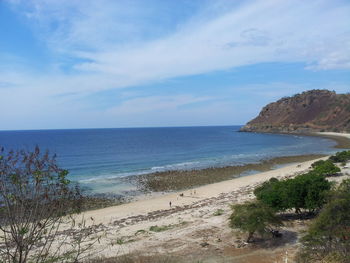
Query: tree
[[340, 157], [35, 196], [254, 217], [325, 168], [272, 193], [329, 234], [306, 191]]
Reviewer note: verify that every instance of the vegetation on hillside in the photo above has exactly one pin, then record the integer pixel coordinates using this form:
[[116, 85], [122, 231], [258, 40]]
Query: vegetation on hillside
[[313, 110], [328, 237]]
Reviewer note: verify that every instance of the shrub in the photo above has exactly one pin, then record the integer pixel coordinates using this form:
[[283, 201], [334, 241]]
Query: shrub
[[325, 168], [218, 212], [307, 191], [35, 195], [272, 193], [254, 217], [340, 157]]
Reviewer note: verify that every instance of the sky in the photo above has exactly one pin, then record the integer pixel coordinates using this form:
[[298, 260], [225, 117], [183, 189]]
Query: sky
[[147, 63]]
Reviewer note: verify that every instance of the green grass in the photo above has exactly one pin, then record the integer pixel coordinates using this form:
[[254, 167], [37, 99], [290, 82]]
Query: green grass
[[218, 212], [160, 228], [166, 227], [122, 241]]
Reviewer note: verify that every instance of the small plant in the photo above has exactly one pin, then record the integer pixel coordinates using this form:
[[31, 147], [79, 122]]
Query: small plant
[[120, 241], [124, 240], [160, 228], [218, 212]]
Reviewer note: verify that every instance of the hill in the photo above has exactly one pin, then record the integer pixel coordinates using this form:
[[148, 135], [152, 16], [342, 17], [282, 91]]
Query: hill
[[310, 111]]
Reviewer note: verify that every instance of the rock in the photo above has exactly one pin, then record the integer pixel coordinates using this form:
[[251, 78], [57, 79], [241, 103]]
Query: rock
[[204, 244]]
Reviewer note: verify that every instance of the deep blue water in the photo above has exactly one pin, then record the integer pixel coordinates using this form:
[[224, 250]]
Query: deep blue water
[[95, 156]]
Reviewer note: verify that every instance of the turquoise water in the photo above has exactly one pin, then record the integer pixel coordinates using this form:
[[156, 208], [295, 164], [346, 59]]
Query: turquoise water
[[99, 158]]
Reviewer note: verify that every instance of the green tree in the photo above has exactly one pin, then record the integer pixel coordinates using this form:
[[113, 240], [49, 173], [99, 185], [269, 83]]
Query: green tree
[[328, 237], [254, 217], [340, 157], [306, 191], [273, 194], [325, 168]]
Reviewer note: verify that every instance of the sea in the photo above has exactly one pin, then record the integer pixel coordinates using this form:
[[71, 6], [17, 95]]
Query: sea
[[100, 159]]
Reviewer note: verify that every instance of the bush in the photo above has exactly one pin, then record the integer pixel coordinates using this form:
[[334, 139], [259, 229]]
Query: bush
[[272, 193], [254, 217], [307, 191], [325, 168], [328, 237], [35, 195], [340, 157]]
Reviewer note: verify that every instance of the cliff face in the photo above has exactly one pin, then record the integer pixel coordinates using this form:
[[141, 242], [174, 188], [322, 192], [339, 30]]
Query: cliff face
[[314, 110]]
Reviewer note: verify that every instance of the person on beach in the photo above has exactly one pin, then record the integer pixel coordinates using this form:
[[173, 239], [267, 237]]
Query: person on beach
[[170, 204]]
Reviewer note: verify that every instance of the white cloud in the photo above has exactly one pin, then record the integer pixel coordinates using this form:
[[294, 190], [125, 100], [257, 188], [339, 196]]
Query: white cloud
[[118, 44], [108, 38]]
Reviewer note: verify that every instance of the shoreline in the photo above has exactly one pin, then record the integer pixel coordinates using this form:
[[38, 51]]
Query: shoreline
[[257, 176], [190, 196], [181, 180], [166, 182], [189, 221]]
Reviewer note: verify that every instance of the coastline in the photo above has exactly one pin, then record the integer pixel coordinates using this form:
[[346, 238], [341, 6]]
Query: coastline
[[159, 201], [342, 139], [160, 183], [189, 221], [180, 180]]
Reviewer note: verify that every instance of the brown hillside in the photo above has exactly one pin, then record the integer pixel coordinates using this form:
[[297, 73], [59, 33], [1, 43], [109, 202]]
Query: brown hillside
[[314, 110]]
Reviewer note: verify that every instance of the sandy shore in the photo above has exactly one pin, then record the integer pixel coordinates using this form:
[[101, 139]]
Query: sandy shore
[[188, 222], [199, 193], [109, 214]]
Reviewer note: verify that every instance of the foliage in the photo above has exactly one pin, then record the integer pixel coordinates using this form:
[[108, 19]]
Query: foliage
[[254, 217], [328, 237], [272, 193], [35, 197], [325, 168], [340, 157], [305, 191], [218, 212]]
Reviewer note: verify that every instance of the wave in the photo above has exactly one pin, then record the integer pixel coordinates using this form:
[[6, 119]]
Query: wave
[[238, 159]]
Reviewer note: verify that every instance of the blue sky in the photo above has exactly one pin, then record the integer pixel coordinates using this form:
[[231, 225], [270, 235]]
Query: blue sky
[[137, 63]]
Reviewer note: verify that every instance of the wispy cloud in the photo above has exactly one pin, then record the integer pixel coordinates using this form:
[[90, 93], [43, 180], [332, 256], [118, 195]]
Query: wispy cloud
[[103, 45], [108, 38]]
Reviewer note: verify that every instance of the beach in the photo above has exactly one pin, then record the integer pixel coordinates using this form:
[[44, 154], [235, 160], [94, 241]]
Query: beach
[[190, 222]]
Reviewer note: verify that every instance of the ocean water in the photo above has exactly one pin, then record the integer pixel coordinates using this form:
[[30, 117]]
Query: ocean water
[[99, 158]]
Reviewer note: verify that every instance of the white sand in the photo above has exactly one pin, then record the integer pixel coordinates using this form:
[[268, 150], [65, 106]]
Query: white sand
[[346, 135], [109, 214]]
